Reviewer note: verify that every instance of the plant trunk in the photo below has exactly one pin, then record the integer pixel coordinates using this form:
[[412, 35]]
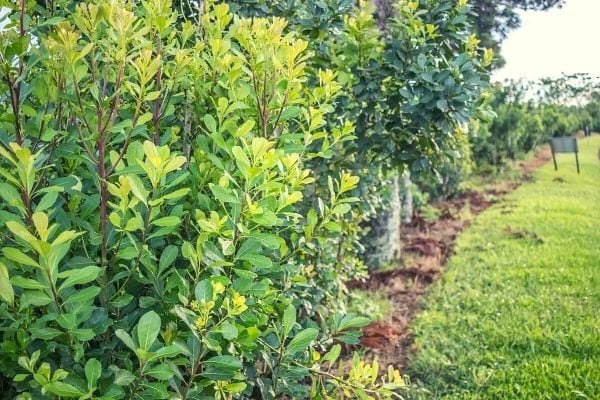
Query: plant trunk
[[407, 198], [383, 240]]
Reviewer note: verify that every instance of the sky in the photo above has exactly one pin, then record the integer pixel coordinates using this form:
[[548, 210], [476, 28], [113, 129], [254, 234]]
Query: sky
[[551, 42]]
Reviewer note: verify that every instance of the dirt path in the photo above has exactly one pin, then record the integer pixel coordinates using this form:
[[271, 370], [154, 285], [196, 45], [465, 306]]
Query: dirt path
[[426, 248]]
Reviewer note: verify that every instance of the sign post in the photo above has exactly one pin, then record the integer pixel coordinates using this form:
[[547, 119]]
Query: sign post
[[564, 145]]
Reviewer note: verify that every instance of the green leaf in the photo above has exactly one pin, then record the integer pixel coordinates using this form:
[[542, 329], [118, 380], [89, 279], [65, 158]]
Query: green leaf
[[332, 226], [223, 195], [18, 256], [267, 218], [138, 189], [228, 330], [221, 368], [155, 391], [165, 352], [169, 221], [257, 260], [9, 194], [351, 321], [204, 290], [19, 230], [167, 257], [248, 247], [301, 341], [126, 339], [84, 335], [124, 377], [26, 283], [245, 128], [162, 372], [333, 354], [63, 389], [147, 330], [289, 319], [6, 290], [82, 296], [34, 298], [93, 371], [210, 123], [44, 333], [266, 239], [47, 201], [79, 276]]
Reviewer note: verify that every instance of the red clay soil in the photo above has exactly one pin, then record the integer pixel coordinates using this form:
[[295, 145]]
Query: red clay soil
[[426, 248]]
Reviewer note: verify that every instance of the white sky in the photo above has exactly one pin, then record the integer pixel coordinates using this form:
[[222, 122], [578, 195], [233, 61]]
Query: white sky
[[551, 42]]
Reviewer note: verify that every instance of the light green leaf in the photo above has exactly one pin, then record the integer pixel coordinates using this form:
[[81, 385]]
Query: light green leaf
[[19, 230], [147, 330], [169, 221], [223, 195], [289, 319], [210, 123], [46, 201], [26, 283], [352, 321], [333, 354], [93, 371], [18, 256], [167, 257], [257, 260], [63, 390], [162, 372], [79, 276], [126, 339], [6, 290], [228, 330]]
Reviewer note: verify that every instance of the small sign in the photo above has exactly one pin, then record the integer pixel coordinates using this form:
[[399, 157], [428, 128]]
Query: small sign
[[564, 145]]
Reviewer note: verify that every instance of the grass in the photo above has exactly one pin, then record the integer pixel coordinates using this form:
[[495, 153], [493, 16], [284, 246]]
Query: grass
[[517, 315], [373, 304]]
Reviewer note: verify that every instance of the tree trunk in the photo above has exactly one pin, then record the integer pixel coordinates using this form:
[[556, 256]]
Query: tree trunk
[[382, 245], [394, 222], [407, 198]]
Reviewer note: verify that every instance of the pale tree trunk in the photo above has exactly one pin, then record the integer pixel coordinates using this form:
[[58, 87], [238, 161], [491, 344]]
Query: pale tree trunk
[[394, 221], [407, 198], [384, 243], [382, 246]]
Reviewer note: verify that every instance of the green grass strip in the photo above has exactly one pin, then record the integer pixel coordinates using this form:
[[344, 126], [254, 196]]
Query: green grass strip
[[517, 314]]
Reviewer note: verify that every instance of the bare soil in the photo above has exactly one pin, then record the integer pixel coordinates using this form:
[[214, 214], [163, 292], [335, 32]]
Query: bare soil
[[426, 246]]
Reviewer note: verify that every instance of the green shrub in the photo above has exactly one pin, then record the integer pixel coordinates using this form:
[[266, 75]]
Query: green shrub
[[156, 239]]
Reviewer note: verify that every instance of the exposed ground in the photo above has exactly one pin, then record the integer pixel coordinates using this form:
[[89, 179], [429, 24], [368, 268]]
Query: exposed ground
[[426, 248]]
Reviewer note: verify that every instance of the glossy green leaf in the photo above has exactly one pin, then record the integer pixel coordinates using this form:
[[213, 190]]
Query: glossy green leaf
[[148, 328]]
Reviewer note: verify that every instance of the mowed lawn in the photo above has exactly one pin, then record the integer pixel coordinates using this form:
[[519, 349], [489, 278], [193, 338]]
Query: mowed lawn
[[517, 314]]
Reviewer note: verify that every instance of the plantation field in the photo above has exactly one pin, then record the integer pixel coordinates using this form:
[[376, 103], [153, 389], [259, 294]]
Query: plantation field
[[516, 314]]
